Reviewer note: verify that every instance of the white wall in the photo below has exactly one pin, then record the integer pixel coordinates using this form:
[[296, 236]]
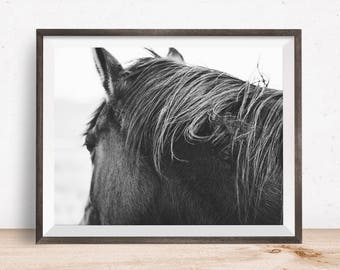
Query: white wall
[[319, 20]]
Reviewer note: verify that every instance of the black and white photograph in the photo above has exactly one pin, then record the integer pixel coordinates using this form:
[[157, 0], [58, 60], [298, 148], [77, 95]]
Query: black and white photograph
[[168, 135]]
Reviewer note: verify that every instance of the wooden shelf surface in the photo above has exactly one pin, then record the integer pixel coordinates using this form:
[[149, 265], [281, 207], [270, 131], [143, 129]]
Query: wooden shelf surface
[[320, 250]]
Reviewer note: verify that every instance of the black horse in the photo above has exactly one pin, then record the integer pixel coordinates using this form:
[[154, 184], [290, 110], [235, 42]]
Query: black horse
[[180, 144]]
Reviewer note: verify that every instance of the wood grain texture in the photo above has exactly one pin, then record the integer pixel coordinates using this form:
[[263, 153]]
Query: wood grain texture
[[320, 250]]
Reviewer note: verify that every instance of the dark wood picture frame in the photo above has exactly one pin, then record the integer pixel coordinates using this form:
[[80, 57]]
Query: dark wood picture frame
[[40, 33]]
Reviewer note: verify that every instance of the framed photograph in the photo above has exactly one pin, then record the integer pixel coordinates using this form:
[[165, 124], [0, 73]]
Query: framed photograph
[[168, 136]]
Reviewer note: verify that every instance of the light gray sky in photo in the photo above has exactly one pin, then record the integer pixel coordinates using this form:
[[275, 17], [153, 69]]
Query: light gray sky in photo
[[76, 77]]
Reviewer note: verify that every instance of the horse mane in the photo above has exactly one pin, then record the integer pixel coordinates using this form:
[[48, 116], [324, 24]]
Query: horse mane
[[94, 117], [164, 101]]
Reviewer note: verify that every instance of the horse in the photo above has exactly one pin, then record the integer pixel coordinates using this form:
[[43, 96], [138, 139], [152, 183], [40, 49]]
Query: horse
[[179, 144]]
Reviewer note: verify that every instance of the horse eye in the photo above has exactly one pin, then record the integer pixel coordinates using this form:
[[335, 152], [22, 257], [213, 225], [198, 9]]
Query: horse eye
[[90, 142]]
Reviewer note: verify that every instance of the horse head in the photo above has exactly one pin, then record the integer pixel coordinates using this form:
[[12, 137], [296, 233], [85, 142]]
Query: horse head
[[179, 144]]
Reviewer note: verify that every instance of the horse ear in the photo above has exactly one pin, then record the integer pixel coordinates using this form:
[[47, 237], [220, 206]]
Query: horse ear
[[108, 68], [175, 55]]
